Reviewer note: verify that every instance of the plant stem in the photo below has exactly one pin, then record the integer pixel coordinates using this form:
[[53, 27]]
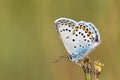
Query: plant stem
[[87, 76]]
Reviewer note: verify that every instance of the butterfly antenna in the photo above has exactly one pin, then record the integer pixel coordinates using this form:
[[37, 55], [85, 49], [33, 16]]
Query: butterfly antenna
[[60, 58]]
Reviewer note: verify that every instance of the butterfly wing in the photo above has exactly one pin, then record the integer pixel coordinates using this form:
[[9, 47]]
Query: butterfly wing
[[89, 36], [65, 28], [82, 42], [86, 38], [78, 38], [96, 34]]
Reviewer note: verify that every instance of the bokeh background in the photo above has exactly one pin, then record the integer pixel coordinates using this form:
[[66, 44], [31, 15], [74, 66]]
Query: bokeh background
[[29, 43]]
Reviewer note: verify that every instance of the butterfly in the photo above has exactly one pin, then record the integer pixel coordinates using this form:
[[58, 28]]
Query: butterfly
[[79, 38]]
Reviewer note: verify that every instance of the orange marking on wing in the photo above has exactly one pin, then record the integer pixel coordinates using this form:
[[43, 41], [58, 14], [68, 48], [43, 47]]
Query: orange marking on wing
[[84, 28], [91, 38], [71, 25], [75, 30]]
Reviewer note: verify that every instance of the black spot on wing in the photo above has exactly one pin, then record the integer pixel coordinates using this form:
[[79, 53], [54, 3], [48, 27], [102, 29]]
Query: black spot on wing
[[69, 30], [79, 45], [96, 39], [63, 29], [84, 39], [82, 46], [76, 34], [88, 40], [88, 44], [67, 37], [73, 40], [74, 46]]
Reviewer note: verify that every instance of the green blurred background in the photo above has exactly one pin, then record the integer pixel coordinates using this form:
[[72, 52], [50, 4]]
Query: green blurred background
[[29, 42]]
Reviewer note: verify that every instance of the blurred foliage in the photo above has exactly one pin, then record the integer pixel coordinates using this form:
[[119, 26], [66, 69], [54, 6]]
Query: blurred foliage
[[29, 42]]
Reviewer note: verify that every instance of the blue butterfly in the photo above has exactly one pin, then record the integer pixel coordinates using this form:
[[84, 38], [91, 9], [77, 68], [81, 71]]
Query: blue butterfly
[[79, 38]]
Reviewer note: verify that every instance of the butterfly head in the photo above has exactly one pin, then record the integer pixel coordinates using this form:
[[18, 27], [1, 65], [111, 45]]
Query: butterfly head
[[70, 58]]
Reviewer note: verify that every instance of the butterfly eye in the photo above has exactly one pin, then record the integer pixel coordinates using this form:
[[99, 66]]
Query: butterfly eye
[[70, 58]]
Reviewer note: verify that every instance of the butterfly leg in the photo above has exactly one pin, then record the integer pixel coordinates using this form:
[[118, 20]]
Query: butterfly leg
[[60, 58], [77, 62]]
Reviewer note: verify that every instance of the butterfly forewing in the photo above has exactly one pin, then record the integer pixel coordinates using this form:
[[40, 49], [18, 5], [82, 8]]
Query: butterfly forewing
[[65, 28]]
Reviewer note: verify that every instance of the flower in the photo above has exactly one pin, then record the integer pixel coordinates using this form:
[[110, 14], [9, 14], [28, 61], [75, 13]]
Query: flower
[[92, 71]]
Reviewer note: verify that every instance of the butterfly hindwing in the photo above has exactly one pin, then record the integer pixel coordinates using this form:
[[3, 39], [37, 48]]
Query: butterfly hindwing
[[82, 35]]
